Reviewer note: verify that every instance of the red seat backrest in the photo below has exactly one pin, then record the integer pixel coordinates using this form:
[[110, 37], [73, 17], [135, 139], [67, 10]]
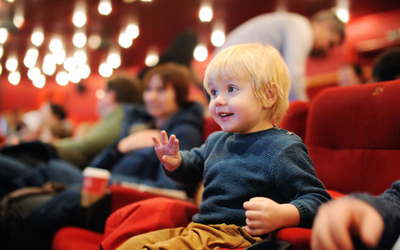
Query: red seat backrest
[[295, 119], [353, 137], [209, 126]]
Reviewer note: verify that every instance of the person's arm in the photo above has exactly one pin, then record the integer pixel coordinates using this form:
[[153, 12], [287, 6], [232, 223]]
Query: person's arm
[[340, 220], [102, 134], [388, 206], [296, 180], [138, 140], [375, 221]]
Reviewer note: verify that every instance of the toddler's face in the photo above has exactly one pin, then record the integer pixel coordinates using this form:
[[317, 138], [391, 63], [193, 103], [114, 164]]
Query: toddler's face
[[235, 108]]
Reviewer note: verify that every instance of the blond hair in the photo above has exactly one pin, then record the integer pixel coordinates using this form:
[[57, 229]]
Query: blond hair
[[262, 65]]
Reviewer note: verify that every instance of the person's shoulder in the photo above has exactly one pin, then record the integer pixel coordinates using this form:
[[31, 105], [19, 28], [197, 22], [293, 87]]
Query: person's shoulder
[[194, 108], [280, 137], [190, 113], [291, 20], [218, 135], [130, 109]]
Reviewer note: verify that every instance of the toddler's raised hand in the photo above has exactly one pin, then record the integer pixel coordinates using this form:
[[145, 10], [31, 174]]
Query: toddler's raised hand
[[168, 151]]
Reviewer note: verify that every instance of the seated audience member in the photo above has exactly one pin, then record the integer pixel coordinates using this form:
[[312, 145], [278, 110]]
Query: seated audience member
[[387, 66], [17, 124], [56, 125], [350, 74], [119, 90], [180, 51], [166, 89], [359, 221], [53, 125], [251, 165], [130, 160]]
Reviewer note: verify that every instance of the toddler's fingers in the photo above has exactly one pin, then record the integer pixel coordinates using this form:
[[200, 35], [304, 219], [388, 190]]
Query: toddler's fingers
[[253, 214], [169, 161], [254, 231], [171, 140], [175, 147], [156, 141], [164, 137]]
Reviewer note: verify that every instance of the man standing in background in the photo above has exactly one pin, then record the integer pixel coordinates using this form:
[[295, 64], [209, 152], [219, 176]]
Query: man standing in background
[[295, 36]]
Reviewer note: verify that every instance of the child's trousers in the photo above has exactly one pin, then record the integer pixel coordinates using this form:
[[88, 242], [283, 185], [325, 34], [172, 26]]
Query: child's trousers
[[194, 236]]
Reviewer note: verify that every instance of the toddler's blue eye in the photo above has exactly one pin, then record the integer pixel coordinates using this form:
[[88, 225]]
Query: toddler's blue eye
[[231, 89], [214, 92]]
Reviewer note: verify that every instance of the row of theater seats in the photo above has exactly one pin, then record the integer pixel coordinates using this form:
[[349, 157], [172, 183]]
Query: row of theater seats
[[353, 138]]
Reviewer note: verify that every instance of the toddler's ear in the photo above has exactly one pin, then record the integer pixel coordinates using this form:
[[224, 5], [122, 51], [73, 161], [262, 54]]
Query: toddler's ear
[[272, 96]]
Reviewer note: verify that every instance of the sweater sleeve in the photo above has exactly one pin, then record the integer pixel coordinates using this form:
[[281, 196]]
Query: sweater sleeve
[[191, 169], [296, 180], [388, 206]]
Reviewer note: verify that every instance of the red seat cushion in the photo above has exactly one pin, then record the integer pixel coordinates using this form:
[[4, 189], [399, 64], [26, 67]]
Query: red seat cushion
[[146, 216], [122, 196], [299, 237], [68, 238]]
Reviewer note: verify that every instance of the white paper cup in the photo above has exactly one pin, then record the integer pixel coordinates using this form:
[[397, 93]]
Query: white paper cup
[[95, 183]]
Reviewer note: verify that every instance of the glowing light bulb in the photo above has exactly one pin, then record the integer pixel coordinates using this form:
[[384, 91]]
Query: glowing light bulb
[[11, 64], [79, 39], [14, 77], [114, 60], [105, 70], [218, 38], [124, 40], [200, 53], [3, 35], [205, 14], [132, 30], [39, 81], [37, 37], [105, 7], [62, 78]]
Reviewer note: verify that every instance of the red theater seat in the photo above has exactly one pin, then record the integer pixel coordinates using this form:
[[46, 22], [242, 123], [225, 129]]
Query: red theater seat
[[353, 139], [295, 119]]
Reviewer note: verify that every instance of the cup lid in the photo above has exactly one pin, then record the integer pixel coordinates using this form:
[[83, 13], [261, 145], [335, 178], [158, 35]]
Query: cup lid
[[96, 172]]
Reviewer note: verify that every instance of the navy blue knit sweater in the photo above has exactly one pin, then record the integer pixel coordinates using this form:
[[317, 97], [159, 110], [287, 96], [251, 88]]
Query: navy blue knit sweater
[[237, 167]]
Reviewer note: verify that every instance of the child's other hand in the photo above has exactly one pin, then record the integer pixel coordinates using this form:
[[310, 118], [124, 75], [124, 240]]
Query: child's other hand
[[265, 215], [168, 151]]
